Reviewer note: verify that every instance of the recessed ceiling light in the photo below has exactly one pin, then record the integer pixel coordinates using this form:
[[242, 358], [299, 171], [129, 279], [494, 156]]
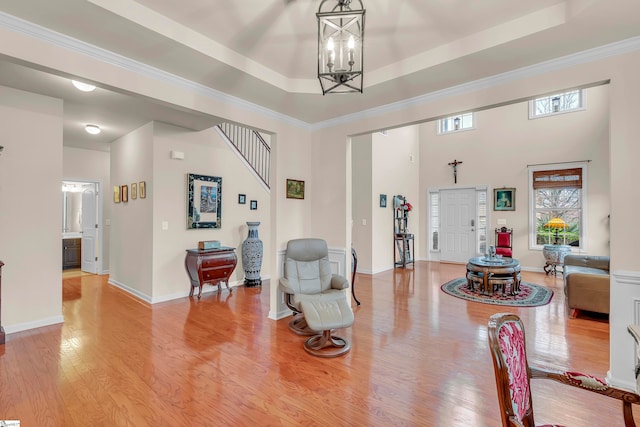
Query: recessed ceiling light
[[92, 129], [85, 87]]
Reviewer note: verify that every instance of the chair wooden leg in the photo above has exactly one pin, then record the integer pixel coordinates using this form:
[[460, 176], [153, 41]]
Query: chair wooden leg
[[573, 313]]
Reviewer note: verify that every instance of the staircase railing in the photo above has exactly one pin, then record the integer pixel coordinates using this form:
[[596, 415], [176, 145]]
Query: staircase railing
[[251, 146]]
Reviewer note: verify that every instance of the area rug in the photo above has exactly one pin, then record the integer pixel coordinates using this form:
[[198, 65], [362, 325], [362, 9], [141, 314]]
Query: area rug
[[530, 295]]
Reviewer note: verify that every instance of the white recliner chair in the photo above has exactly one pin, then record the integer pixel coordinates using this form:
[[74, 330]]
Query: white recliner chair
[[316, 296]]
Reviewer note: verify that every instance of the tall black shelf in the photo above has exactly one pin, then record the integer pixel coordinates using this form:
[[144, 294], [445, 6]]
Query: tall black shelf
[[403, 243]]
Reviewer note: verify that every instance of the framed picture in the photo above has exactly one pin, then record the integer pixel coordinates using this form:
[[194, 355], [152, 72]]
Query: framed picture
[[383, 200], [204, 201], [116, 194], [254, 205], [124, 193], [242, 199], [142, 186], [295, 189], [134, 191], [504, 199]]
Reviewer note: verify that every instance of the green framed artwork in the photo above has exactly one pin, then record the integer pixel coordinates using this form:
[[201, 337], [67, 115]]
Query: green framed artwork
[[295, 189]]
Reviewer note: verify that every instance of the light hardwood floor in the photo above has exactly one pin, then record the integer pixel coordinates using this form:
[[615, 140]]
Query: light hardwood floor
[[419, 357]]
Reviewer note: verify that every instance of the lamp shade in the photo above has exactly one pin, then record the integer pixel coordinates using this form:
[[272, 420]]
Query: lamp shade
[[556, 223]]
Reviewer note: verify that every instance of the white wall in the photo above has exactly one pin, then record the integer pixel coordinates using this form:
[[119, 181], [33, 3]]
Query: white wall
[[382, 164], [362, 201], [498, 151], [205, 154], [625, 205], [131, 249], [30, 209], [80, 164], [395, 172]]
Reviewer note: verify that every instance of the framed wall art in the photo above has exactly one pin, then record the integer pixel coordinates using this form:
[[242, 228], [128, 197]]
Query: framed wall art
[[383, 200], [254, 205], [295, 189], [142, 187], [124, 193], [134, 191], [242, 199], [116, 194], [504, 199], [204, 201]]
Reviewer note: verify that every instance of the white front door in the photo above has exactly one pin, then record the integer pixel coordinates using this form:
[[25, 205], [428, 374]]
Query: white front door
[[458, 210], [89, 229]]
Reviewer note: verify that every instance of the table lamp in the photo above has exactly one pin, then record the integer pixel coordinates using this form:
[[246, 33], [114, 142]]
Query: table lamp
[[556, 224]]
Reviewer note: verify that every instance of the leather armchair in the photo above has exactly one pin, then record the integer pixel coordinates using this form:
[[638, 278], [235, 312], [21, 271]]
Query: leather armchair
[[308, 277], [586, 283]]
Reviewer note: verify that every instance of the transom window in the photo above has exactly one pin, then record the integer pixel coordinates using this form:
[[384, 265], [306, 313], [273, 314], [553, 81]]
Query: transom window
[[456, 123], [557, 194], [556, 104]]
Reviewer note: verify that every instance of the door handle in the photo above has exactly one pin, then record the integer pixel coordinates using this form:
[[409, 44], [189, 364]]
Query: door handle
[[473, 222]]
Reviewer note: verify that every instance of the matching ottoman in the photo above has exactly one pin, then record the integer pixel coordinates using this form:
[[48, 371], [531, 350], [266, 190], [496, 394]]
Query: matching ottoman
[[323, 315]]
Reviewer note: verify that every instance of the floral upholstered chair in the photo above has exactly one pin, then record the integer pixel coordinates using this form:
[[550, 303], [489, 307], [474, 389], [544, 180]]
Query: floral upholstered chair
[[513, 374]]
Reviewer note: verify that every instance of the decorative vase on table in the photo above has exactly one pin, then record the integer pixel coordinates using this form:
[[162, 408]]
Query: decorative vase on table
[[252, 256]]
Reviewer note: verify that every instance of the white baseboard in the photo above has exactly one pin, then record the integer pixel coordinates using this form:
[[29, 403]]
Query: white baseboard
[[47, 321], [616, 382], [206, 289], [129, 290], [280, 315]]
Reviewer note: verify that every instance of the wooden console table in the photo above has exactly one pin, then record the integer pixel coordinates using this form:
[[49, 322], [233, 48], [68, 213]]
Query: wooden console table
[[1, 328], [211, 266]]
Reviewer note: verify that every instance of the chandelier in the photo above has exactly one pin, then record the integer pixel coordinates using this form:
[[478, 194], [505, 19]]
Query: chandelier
[[340, 42]]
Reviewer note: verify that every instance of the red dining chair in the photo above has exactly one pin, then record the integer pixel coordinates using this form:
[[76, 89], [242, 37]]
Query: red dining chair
[[504, 242]]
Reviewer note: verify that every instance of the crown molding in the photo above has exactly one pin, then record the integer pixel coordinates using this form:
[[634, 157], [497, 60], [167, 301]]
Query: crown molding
[[60, 40], [590, 55], [46, 35]]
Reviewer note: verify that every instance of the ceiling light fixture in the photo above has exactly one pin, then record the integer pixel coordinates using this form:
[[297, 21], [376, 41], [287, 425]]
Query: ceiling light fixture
[[85, 87], [340, 47], [92, 129]]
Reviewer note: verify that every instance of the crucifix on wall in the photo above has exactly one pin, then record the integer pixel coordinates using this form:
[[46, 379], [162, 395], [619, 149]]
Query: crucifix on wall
[[455, 164]]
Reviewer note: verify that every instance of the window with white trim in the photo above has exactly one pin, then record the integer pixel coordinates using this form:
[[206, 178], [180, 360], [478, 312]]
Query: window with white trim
[[482, 221], [558, 103], [456, 123], [558, 193], [434, 199]]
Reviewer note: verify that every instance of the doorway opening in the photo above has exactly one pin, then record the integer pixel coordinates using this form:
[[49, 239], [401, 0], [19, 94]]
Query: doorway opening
[[458, 220], [81, 231]]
